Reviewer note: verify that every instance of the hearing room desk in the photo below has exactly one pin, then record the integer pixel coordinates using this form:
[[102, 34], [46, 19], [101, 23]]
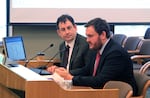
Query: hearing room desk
[[36, 86], [39, 63]]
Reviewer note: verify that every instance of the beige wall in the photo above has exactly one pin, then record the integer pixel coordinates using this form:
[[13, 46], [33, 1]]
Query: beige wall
[[37, 38]]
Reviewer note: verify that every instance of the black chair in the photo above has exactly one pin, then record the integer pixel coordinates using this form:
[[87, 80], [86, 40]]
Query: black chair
[[119, 38], [147, 34], [132, 43], [142, 56]]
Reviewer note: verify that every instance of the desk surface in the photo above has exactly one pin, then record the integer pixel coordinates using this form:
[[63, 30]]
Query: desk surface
[[35, 63], [27, 74], [36, 86]]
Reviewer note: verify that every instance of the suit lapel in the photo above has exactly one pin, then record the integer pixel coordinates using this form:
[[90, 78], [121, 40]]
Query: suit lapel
[[63, 53], [74, 51], [103, 55]]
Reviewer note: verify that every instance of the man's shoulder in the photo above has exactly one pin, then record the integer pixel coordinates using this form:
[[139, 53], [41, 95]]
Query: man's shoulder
[[62, 44], [81, 39], [81, 36], [113, 47]]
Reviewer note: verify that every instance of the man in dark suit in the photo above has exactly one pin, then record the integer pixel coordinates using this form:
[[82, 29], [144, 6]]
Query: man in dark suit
[[114, 64], [79, 53], [78, 47]]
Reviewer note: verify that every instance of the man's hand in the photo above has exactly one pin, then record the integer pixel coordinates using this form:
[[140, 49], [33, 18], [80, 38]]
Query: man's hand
[[51, 69], [63, 73]]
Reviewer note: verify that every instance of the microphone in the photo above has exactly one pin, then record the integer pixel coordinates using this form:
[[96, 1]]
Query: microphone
[[53, 57], [42, 52], [50, 60], [51, 45]]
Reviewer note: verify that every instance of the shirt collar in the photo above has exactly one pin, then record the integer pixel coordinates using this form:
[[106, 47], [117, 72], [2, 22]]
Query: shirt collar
[[71, 44], [102, 49]]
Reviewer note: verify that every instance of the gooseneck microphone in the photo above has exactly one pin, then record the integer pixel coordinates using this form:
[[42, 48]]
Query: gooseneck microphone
[[53, 57], [51, 45], [42, 52]]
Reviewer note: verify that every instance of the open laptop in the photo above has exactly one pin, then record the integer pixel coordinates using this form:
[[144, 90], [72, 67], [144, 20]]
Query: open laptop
[[15, 51], [14, 48]]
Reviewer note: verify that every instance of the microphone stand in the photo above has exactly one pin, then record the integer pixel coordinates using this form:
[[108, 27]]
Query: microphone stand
[[41, 53], [51, 45], [50, 60], [27, 61]]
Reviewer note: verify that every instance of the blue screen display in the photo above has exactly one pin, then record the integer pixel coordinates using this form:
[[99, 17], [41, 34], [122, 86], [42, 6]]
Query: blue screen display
[[14, 48]]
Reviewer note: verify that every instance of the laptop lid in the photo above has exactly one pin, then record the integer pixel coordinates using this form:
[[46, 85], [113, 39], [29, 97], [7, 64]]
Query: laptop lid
[[14, 48]]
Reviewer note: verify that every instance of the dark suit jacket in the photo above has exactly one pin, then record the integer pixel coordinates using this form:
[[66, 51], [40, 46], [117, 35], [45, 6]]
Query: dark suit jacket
[[115, 64], [79, 53]]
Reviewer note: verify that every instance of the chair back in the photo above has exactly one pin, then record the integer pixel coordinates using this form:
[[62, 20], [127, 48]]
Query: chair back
[[132, 43], [145, 47], [147, 34], [143, 83], [143, 55], [145, 68], [125, 90], [119, 38]]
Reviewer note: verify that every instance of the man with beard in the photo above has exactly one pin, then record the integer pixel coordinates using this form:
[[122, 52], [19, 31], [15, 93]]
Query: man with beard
[[109, 62]]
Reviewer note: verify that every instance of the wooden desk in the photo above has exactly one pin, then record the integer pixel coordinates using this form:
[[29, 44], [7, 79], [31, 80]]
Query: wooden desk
[[35, 63], [36, 86]]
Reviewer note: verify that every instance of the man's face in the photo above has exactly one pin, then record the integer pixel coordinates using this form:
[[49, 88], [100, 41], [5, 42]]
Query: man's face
[[67, 31], [93, 38]]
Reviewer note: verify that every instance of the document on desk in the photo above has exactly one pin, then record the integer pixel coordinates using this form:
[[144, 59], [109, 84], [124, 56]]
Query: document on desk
[[66, 84], [48, 77], [56, 77]]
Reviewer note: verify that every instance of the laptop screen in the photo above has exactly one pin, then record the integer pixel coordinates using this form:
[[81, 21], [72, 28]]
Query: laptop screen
[[14, 48]]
